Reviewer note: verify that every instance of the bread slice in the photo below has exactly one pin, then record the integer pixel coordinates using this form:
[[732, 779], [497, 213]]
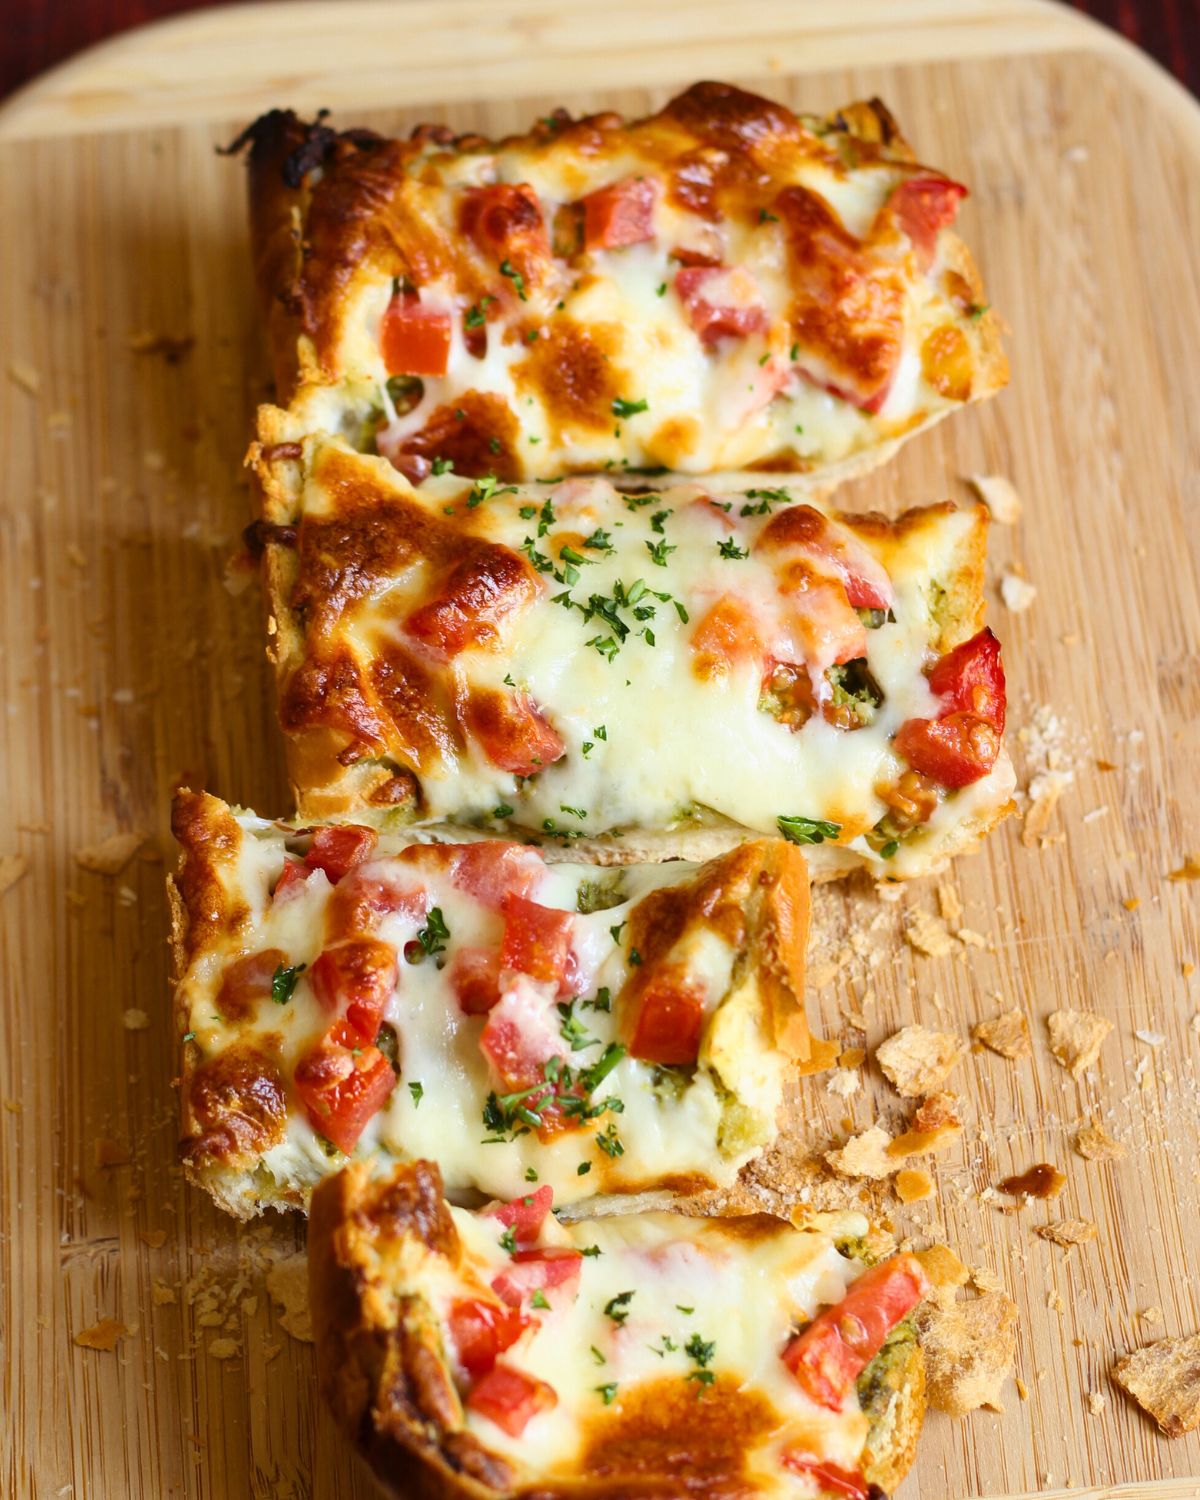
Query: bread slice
[[722, 285], [623, 1036], [639, 676], [652, 1368]]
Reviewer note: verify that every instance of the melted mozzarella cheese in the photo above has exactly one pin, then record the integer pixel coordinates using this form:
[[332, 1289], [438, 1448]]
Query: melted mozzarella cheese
[[691, 1281], [661, 1122]]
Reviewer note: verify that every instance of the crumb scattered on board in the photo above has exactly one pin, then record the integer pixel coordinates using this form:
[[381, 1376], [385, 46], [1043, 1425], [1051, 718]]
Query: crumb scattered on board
[[287, 1284], [999, 495], [1016, 591], [916, 1060], [969, 1345], [1094, 1143], [1076, 1037], [104, 1335], [1164, 1379], [1067, 1232], [1188, 870], [110, 855], [1006, 1034]]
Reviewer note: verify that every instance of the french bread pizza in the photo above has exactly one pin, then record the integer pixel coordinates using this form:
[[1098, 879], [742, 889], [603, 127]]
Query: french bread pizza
[[499, 1353], [723, 285], [633, 674], [622, 1034]]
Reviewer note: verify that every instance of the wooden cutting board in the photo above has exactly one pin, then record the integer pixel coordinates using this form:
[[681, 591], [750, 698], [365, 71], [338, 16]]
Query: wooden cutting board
[[132, 363]]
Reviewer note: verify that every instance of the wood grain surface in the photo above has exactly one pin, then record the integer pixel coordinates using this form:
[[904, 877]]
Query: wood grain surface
[[130, 660]]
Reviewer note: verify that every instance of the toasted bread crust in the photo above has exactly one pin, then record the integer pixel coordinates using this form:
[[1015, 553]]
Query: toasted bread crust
[[401, 1411]]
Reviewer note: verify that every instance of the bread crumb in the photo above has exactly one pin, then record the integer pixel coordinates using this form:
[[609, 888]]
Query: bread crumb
[[161, 1294], [172, 347], [864, 1155], [104, 1335], [913, 1185], [155, 1238], [110, 855], [109, 1153], [1022, 1389], [917, 1061], [1007, 1034], [943, 1267], [1131, 903], [1094, 1143], [13, 867], [224, 1348], [287, 1283], [999, 495], [1067, 1232], [1096, 1402], [23, 374], [1076, 1037], [949, 904], [934, 1124], [1054, 1301], [1151, 1315], [1044, 793], [1188, 870], [135, 1020], [1164, 1379], [969, 1348], [927, 934], [1017, 592], [844, 1083]]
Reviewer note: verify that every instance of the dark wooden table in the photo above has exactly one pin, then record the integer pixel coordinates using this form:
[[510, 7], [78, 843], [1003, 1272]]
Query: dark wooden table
[[36, 34]]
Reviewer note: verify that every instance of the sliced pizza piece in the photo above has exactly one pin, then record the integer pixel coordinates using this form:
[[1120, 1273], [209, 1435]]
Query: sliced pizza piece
[[722, 285], [634, 673], [502, 1354], [534, 1027]]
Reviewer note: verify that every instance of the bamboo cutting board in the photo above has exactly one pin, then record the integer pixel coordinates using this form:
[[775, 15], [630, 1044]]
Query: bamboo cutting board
[[132, 361]]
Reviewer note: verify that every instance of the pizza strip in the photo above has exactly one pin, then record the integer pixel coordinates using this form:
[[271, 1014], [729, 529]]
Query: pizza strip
[[592, 1032], [719, 286], [632, 674], [503, 1354]]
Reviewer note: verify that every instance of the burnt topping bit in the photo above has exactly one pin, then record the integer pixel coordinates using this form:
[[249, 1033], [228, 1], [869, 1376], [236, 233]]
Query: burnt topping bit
[[259, 533], [315, 141], [1040, 1181]]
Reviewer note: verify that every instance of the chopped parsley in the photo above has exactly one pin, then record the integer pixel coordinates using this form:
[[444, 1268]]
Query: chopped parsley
[[615, 932], [417, 1090], [432, 937], [799, 830], [502, 810], [284, 981], [486, 489], [189, 1036], [441, 466], [698, 1349], [729, 548], [599, 541], [657, 519], [583, 1169], [568, 1090], [889, 849], [659, 552], [609, 1141], [977, 310], [618, 1307], [591, 1250], [668, 1346], [596, 1355], [766, 499], [767, 218], [623, 408], [546, 518], [477, 315], [539, 1298], [679, 1307], [608, 1392], [661, 290], [508, 1240], [635, 958], [602, 1002], [508, 269], [573, 1029], [531, 1174]]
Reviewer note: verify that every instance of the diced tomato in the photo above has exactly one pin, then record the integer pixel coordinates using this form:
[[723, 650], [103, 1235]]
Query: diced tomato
[[970, 680], [368, 893], [474, 976], [415, 339], [670, 1019], [356, 979], [954, 751], [522, 1033], [803, 529], [537, 939], [247, 981], [727, 634], [922, 206], [342, 1084], [510, 1398], [475, 601], [291, 878], [620, 214], [512, 731], [525, 1216], [504, 218], [721, 301], [830, 1479], [819, 624], [491, 870], [554, 1271], [339, 847], [483, 1330], [832, 1352]]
